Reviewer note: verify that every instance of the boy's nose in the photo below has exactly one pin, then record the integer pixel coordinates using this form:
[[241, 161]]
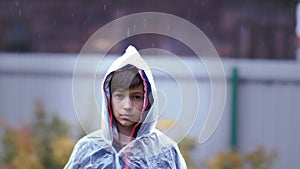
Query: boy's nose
[[127, 103]]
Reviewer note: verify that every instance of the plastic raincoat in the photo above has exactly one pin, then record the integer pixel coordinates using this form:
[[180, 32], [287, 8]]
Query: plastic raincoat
[[149, 147]]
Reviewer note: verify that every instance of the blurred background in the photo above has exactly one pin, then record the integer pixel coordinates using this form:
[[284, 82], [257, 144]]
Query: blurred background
[[257, 40]]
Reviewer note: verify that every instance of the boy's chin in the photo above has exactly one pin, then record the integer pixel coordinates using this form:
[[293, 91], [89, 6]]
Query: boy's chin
[[127, 123]]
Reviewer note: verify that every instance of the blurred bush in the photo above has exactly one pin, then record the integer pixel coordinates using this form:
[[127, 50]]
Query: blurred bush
[[257, 159], [44, 144], [185, 146]]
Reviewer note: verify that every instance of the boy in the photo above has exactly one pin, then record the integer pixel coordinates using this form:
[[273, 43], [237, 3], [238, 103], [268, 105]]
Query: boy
[[127, 138]]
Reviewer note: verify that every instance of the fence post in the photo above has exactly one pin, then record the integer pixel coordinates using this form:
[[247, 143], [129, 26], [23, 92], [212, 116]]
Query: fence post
[[234, 106]]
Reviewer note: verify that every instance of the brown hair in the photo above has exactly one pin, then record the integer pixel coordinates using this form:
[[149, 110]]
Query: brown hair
[[125, 79]]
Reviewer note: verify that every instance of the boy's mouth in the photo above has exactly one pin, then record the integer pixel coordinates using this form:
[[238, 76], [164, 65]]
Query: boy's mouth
[[125, 117]]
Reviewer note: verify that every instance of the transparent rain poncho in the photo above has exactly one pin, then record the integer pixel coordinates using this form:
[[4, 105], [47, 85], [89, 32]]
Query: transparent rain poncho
[[149, 148]]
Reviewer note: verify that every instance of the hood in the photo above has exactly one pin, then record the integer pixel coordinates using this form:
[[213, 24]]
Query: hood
[[149, 115]]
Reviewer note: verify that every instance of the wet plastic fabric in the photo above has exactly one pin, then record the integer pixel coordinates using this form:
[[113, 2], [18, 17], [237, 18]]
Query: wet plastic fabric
[[149, 149]]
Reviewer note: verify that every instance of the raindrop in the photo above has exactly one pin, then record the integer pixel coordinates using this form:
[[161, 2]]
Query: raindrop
[[134, 26], [145, 23], [20, 12], [72, 14], [189, 14], [54, 22], [17, 4], [104, 7], [169, 27], [118, 13], [128, 32], [84, 23]]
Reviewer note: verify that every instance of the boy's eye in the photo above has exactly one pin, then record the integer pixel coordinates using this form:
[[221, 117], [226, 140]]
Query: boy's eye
[[119, 96], [137, 97]]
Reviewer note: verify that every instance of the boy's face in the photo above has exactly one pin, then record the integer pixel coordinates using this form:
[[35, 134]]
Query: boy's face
[[127, 105]]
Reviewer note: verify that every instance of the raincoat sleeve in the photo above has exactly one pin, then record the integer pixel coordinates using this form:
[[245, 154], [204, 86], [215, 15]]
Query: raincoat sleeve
[[91, 152], [180, 162], [77, 155], [171, 159]]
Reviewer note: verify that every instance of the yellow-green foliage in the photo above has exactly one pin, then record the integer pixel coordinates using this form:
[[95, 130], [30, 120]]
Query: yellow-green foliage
[[45, 144], [257, 159]]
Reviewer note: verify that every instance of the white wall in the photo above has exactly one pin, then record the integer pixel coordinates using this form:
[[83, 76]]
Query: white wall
[[268, 105]]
